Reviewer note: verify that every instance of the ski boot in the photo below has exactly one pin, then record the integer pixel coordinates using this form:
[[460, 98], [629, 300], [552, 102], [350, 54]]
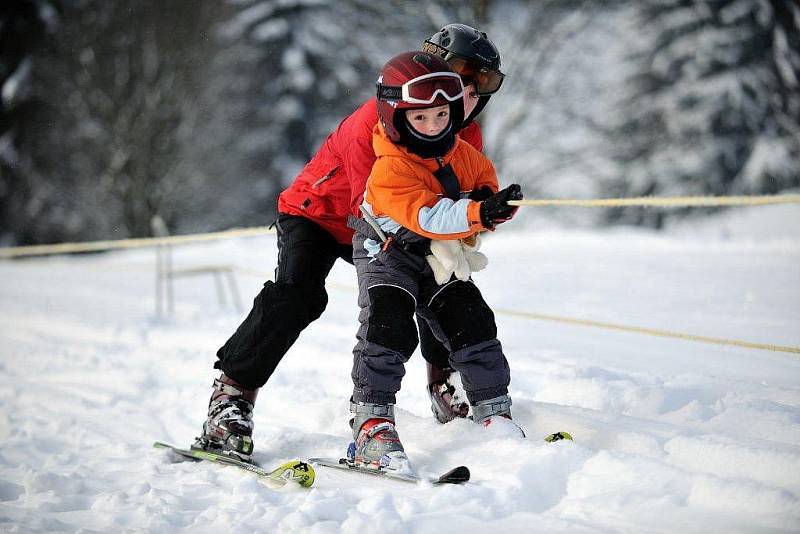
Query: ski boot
[[376, 445], [447, 399], [229, 426], [496, 414]]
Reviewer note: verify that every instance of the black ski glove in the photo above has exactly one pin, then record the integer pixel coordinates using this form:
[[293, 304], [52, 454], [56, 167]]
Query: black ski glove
[[495, 209], [479, 195]]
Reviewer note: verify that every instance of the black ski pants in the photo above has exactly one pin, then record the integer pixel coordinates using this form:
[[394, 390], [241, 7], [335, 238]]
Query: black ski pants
[[297, 297]]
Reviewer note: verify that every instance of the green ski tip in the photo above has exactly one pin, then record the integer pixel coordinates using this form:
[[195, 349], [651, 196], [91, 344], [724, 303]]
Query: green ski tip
[[295, 471], [558, 436]]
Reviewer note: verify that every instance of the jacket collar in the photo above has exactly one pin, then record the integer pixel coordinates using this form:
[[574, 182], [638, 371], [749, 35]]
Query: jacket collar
[[384, 146]]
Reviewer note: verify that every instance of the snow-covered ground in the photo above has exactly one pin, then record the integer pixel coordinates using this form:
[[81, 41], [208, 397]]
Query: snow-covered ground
[[670, 435]]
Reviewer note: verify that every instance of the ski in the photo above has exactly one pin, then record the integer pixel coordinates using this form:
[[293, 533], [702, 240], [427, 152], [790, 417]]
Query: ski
[[295, 471], [557, 436], [457, 475]]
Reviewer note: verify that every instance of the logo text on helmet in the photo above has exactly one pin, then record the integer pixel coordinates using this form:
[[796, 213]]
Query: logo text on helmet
[[391, 93], [434, 49]]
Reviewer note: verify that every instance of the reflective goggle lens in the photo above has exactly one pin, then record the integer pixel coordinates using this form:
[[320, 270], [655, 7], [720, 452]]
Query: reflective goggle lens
[[486, 81], [425, 91]]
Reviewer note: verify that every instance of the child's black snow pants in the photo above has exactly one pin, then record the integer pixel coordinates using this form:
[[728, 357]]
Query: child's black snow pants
[[394, 284]]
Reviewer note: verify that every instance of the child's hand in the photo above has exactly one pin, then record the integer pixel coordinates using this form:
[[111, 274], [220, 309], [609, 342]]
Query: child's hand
[[495, 209], [479, 195]]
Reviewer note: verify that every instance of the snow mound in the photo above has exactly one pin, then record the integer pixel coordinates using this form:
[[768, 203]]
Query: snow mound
[[670, 435]]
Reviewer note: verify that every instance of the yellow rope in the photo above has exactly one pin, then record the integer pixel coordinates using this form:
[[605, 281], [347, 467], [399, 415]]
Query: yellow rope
[[96, 246], [65, 248], [675, 202], [600, 324], [651, 331]]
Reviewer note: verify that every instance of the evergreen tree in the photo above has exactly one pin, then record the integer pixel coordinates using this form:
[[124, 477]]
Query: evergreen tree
[[715, 106], [300, 68], [121, 84], [25, 26]]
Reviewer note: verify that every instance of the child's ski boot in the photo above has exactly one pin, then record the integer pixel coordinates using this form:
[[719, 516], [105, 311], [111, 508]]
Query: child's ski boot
[[229, 426], [496, 414], [447, 399], [377, 444]]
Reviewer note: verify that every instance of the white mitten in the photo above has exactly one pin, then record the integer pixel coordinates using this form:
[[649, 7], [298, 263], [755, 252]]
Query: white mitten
[[440, 274], [477, 260], [447, 257], [462, 270]]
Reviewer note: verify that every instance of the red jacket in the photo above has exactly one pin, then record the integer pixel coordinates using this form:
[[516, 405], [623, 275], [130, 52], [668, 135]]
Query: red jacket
[[331, 185]]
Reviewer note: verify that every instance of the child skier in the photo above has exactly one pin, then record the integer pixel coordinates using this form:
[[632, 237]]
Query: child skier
[[427, 186]]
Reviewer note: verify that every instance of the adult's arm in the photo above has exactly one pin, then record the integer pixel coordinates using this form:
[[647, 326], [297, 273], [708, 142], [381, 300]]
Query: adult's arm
[[358, 159], [473, 135]]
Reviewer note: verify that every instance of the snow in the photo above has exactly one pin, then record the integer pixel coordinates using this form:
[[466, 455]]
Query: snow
[[14, 84], [669, 434]]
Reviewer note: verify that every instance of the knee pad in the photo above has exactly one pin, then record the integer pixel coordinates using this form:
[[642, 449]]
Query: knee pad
[[307, 304], [390, 323], [463, 315], [315, 300]]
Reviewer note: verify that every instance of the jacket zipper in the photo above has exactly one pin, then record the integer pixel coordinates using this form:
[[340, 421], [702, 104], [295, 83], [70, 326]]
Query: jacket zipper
[[324, 178]]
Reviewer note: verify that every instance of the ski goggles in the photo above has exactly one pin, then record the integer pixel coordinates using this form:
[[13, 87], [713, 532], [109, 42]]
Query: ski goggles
[[487, 81], [424, 89]]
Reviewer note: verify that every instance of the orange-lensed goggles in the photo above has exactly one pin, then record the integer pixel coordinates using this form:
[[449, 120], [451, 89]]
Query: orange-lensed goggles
[[487, 81]]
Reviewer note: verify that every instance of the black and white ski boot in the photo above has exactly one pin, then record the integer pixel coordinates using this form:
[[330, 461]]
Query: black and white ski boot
[[229, 426], [377, 444], [446, 394]]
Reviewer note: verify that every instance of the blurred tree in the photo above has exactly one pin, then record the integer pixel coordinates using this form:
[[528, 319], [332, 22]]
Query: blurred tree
[[203, 112], [24, 26], [294, 70], [716, 108], [200, 113], [550, 50], [121, 87]]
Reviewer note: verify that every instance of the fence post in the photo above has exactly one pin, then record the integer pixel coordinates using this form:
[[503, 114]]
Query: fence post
[[163, 265]]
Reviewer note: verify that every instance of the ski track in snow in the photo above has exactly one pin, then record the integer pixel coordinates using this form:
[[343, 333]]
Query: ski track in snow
[[670, 435]]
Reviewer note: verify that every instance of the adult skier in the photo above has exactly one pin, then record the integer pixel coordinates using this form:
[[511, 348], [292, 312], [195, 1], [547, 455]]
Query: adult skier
[[312, 233]]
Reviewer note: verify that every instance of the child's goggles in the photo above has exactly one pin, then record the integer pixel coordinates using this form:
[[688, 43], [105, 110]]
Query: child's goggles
[[424, 89]]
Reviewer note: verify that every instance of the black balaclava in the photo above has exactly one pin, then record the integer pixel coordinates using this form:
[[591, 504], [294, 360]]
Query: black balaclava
[[426, 146]]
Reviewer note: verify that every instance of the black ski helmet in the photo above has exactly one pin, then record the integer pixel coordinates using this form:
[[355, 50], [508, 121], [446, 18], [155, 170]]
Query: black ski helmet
[[471, 54]]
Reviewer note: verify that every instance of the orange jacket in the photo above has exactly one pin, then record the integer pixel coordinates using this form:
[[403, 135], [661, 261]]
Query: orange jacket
[[402, 187]]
